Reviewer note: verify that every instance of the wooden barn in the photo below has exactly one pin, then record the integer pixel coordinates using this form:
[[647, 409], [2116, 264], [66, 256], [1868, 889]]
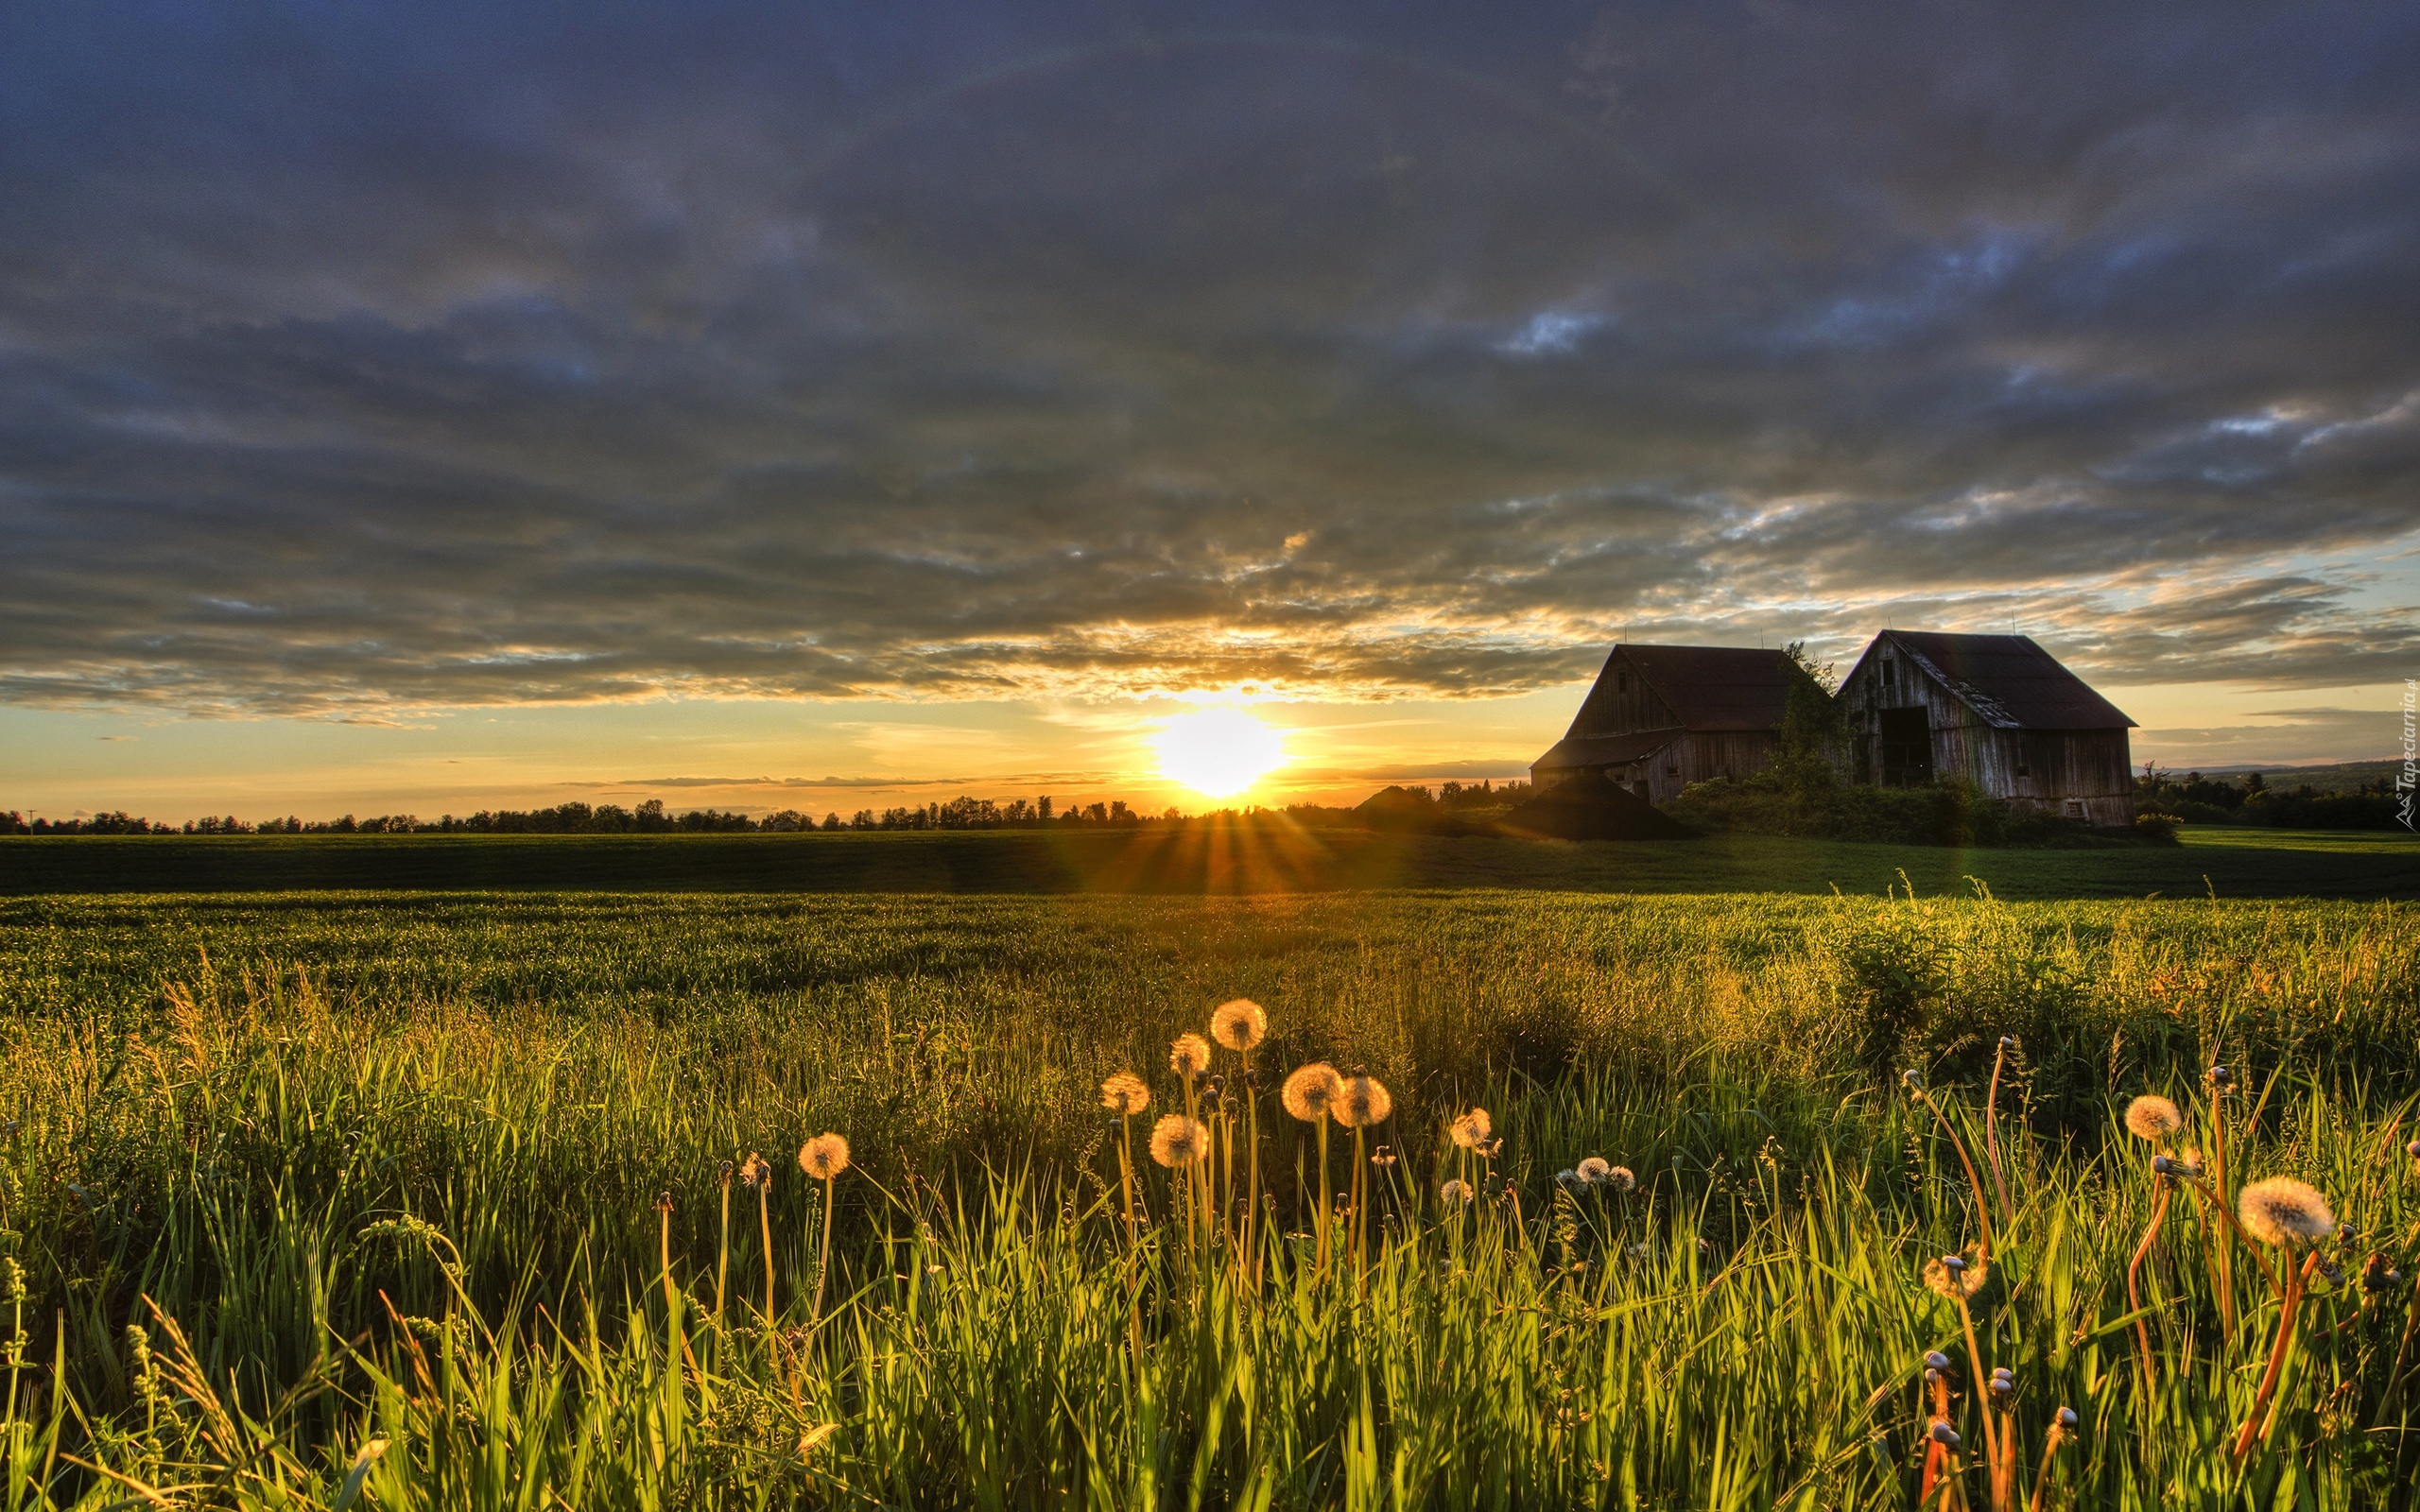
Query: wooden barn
[[1996, 710], [1663, 716]]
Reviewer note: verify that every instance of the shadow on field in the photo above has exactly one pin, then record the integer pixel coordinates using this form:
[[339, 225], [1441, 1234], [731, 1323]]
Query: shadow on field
[[1263, 854]]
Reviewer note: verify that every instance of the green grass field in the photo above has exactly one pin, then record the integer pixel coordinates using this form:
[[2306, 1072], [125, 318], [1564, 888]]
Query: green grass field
[[377, 1177], [1264, 857]]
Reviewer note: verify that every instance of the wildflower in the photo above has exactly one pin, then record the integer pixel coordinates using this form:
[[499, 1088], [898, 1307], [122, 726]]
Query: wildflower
[[2152, 1118], [1472, 1129], [1595, 1169], [824, 1157], [755, 1171], [1190, 1056], [1177, 1140], [1309, 1092], [1953, 1279], [1361, 1101], [1125, 1094], [1239, 1024], [2285, 1212], [1456, 1193]]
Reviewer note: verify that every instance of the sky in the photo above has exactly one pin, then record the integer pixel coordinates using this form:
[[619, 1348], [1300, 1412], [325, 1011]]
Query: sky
[[430, 407]]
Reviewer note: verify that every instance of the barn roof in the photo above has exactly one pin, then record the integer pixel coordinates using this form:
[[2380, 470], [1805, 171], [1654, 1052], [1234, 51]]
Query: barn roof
[[2008, 681], [1604, 750], [1706, 687]]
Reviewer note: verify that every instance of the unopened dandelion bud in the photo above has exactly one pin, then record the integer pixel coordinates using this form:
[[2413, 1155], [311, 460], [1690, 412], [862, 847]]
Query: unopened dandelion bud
[[2221, 1076], [2007, 1043], [1913, 1079], [2001, 1372], [1935, 1360], [1947, 1437], [2068, 1418], [1932, 1377], [1953, 1264], [2413, 1149]]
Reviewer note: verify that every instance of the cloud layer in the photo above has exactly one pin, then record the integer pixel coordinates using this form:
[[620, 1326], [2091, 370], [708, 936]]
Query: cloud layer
[[350, 364]]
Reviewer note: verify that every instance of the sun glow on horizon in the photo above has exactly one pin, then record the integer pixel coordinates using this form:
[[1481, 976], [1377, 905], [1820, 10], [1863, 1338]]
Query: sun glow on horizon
[[1218, 753]]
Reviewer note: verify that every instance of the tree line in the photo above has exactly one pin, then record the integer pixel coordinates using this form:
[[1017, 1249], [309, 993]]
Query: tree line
[[649, 817]]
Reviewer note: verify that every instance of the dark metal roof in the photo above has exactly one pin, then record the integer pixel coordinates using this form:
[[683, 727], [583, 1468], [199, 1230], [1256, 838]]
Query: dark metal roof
[[2007, 679], [1604, 750], [1706, 687]]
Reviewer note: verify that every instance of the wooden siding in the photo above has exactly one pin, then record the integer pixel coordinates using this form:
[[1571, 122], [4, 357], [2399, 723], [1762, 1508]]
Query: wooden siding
[[2085, 774], [1692, 757]]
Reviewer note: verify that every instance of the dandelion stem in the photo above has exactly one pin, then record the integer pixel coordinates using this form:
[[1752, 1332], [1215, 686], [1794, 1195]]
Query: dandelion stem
[[1125, 1171], [1983, 1211], [2135, 1296], [1974, 1359], [2042, 1476], [1360, 1206], [2255, 1426], [2223, 1241], [764, 1226], [722, 1254], [824, 1265], [1323, 1201], [1991, 1131]]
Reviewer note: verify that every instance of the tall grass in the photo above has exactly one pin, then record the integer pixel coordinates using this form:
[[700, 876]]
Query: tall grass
[[402, 1188]]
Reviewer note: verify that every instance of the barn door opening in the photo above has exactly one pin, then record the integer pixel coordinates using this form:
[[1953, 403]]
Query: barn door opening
[[1906, 748]]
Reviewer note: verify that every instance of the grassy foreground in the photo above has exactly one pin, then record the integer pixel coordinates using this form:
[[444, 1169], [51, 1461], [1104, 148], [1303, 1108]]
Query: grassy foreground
[[379, 1181], [1263, 856]]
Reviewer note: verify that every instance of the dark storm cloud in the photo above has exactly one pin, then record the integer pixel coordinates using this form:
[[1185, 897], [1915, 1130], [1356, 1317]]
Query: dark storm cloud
[[358, 359]]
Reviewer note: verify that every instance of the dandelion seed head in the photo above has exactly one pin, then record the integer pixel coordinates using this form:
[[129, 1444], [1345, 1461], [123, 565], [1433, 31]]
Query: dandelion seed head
[[663, 1202], [1310, 1090], [755, 1171], [2152, 1118], [824, 1157], [2283, 1212], [1177, 1140], [1363, 1100], [1125, 1094], [1456, 1193], [1596, 1168], [1622, 1179], [1190, 1056], [1953, 1279], [1239, 1024], [1568, 1176], [1470, 1130]]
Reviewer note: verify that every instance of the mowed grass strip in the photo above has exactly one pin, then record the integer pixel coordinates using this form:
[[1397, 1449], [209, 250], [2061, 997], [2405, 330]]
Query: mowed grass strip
[[1267, 856]]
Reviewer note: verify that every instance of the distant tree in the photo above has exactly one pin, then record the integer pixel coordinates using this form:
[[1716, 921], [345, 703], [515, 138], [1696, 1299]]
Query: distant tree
[[831, 821]]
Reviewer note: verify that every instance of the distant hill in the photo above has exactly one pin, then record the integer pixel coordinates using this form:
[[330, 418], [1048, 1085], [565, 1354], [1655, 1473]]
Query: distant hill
[[2333, 777]]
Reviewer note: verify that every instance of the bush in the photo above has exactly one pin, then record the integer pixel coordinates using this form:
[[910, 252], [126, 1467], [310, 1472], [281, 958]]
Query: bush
[[1954, 813], [2156, 827]]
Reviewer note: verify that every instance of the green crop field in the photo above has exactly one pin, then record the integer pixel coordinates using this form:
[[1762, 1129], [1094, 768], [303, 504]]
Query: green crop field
[[320, 1200], [1262, 856]]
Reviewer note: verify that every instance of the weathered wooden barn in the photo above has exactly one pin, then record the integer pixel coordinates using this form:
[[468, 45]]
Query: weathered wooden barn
[[1996, 710], [1663, 716]]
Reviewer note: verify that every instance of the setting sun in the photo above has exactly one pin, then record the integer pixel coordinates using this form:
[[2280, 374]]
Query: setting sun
[[1218, 753]]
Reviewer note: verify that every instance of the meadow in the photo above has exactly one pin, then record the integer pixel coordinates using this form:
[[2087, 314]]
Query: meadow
[[422, 1201]]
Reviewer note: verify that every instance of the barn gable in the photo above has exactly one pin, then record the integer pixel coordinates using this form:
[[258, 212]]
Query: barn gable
[[1662, 716]]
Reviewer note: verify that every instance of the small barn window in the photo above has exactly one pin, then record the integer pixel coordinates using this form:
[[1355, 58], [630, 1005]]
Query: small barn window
[[1885, 673], [1621, 682]]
